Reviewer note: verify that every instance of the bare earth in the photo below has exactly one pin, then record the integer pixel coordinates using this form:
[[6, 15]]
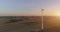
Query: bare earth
[[29, 24]]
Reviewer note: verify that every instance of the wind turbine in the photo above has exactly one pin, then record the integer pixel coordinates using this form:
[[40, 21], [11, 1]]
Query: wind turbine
[[42, 27]]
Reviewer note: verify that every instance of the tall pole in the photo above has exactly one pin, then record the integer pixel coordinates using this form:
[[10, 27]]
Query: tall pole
[[42, 19]]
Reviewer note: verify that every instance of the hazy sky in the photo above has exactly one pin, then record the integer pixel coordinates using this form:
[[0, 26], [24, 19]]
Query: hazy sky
[[28, 7]]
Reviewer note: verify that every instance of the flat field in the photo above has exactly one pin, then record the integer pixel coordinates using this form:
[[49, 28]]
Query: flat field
[[29, 24]]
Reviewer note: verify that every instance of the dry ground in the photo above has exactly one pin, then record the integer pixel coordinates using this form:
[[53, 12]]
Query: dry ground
[[29, 24]]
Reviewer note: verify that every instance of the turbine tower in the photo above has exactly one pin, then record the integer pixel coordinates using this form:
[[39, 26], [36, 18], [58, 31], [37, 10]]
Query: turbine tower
[[42, 19]]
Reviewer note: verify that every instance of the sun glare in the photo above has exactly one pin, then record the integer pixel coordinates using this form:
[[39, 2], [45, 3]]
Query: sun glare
[[58, 14]]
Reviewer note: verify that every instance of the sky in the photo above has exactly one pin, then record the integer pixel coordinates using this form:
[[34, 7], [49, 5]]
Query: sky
[[29, 7]]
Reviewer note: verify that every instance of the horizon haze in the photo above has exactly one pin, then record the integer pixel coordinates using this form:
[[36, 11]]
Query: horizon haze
[[29, 7]]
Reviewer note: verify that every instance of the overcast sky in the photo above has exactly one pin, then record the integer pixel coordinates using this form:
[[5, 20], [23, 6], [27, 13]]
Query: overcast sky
[[29, 7]]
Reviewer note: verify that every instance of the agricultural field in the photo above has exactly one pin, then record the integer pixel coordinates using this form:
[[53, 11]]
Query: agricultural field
[[29, 24]]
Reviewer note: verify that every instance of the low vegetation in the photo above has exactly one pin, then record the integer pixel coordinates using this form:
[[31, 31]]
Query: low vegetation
[[30, 23]]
